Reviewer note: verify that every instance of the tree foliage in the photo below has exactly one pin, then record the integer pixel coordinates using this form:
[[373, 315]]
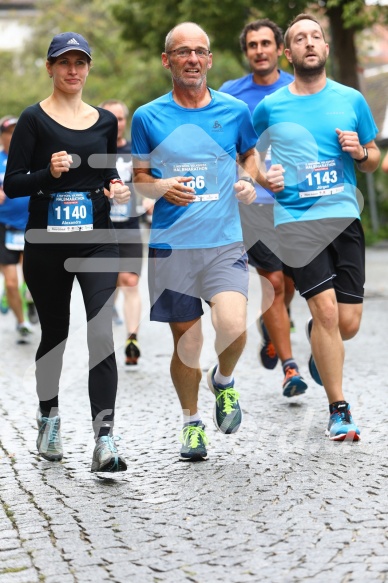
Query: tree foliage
[[117, 71], [146, 22], [127, 38]]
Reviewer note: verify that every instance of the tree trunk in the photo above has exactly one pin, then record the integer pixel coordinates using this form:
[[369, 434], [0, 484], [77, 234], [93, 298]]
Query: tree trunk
[[343, 54]]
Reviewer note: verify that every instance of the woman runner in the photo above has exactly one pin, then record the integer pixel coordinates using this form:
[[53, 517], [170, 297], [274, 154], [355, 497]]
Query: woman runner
[[60, 156]]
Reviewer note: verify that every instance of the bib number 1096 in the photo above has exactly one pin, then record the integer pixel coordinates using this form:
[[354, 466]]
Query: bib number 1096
[[198, 183]]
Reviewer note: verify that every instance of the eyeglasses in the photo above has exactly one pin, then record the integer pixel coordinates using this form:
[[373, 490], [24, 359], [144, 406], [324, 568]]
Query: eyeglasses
[[185, 52]]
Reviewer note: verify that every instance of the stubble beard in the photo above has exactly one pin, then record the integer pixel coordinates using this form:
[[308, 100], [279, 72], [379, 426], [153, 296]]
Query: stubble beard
[[194, 84], [265, 72], [309, 72]]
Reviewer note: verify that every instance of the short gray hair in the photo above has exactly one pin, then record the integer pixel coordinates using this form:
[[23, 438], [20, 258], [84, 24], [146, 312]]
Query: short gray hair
[[169, 42]]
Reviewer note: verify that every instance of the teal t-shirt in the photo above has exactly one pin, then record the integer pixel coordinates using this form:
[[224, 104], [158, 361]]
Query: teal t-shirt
[[320, 180]]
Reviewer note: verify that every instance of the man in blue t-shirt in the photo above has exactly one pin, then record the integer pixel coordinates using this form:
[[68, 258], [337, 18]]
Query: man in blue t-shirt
[[184, 148], [317, 130], [262, 43], [13, 220]]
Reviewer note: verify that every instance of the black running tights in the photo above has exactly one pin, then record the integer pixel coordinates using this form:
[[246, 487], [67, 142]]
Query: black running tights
[[50, 284]]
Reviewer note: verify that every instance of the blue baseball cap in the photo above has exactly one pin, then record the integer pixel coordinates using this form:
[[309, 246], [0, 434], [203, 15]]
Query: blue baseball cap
[[68, 41]]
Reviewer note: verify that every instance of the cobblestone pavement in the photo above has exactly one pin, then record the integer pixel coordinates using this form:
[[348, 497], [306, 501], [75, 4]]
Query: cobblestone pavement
[[276, 502]]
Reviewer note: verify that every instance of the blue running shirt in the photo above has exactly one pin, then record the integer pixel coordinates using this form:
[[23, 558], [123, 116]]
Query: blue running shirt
[[252, 93], [201, 143], [13, 212], [320, 180]]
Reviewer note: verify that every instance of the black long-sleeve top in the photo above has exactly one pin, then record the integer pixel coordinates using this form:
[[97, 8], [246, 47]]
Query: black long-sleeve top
[[37, 136]]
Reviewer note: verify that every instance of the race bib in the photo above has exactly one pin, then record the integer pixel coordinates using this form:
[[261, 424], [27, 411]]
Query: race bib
[[320, 178], [120, 212], [14, 240], [204, 178], [69, 212]]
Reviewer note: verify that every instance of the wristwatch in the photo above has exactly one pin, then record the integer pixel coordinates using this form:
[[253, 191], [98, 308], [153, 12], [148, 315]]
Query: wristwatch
[[364, 158], [247, 179]]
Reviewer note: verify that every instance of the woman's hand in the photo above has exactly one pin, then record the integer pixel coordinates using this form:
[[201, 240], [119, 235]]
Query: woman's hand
[[119, 191], [60, 162]]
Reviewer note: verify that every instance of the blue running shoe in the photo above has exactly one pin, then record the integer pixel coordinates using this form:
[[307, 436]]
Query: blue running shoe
[[106, 457], [267, 352], [341, 425], [49, 442], [194, 441], [227, 413], [293, 384], [312, 366]]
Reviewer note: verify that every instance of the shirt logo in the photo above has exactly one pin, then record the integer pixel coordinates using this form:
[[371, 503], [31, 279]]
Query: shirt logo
[[217, 127]]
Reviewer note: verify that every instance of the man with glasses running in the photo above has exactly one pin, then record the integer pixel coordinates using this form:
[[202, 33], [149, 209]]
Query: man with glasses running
[[184, 147]]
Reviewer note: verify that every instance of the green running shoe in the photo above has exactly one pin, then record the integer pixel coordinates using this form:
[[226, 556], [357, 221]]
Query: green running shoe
[[106, 457], [194, 441], [49, 442], [227, 413], [4, 307]]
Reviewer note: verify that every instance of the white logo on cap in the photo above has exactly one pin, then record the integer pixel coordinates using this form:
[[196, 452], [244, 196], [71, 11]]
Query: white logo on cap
[[72, 41]]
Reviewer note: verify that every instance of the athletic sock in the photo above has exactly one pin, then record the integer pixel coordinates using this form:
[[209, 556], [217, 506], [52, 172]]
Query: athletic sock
[[191, 418], [289, 363], [337, 406], [219, 379]]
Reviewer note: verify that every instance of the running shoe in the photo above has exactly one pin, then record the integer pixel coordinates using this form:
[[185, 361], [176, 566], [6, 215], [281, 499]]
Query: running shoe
[[116, 318], [312, 366], [49, 442], [267, 352], [132, 352], [106, 457], [24, 331], [193, 439], [227, 413], [4, 307], [341, 425], [293, 384]]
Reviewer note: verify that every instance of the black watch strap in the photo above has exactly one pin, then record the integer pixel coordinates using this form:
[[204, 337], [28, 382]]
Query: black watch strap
[[364, 158], [247, 179]]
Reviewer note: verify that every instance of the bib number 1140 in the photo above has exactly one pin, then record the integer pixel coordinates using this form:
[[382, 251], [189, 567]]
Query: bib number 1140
[[67, 213]]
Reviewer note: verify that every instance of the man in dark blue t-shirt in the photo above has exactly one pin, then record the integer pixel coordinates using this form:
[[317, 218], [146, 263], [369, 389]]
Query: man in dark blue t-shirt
[[262, 43]]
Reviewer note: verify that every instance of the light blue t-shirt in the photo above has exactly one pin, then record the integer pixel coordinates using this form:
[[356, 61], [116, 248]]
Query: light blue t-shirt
[[320, 180], [13, 212], [199, 143], [251, 93]]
